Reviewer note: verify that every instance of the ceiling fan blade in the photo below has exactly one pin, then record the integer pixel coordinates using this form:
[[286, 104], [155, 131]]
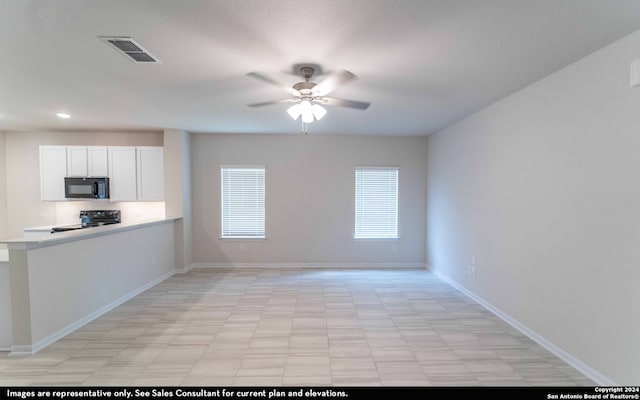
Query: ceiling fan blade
[[270, 81], [332, 101], [334, 80], [268, 103]]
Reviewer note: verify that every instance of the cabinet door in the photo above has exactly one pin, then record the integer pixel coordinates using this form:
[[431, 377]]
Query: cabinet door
[[98, 164], [150, 173], [53, 169], [76, 161], [122, 173]]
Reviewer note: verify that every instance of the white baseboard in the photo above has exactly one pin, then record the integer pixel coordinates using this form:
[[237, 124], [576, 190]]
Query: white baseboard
[[21, 350], [310, 265], [17, 350], [583, 368], [184, 270]]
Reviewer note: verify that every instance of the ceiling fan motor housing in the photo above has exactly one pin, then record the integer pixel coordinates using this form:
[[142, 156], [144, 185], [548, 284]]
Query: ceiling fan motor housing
[[307, 72], [304, 87]]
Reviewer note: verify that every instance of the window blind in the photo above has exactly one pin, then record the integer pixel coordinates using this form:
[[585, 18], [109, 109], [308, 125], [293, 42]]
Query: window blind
[[242, 202], [376, 203]]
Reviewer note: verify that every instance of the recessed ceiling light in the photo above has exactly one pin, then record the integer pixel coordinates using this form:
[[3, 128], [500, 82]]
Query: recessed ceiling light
[[63, 115]]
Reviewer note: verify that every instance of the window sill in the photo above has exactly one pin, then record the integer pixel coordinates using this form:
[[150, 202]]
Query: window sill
[[376, 239], [242, 238]]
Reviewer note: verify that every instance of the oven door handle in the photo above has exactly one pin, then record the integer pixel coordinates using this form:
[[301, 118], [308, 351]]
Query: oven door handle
[[95, 189]]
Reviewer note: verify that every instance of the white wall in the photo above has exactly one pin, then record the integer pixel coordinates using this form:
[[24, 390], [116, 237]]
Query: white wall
[[309, 198], [65, 285], [543, 187], [177, 178], [6, 331], [25, 209], [3, 189]]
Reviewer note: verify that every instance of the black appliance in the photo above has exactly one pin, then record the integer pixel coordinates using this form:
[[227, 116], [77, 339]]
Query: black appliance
[[90, 219], [86, 188]]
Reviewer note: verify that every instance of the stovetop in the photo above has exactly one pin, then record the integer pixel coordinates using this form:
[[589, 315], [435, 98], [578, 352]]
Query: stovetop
[[91, 219], [79, 226]]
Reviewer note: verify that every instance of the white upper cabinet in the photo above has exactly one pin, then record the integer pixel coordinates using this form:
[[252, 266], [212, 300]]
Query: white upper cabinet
[[76, 161], [135, 173], [122, 173], [53, 169], [150, 163], [97, 161], [85, 161]]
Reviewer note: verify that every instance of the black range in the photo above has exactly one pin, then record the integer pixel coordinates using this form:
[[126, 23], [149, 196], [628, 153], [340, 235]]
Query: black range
[[90, 219]]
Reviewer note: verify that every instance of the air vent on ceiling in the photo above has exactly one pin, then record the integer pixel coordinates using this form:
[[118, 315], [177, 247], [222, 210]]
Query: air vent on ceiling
[[130, 49]]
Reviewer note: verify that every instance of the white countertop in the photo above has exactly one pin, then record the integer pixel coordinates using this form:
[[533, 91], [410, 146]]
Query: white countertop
[[39, 228], [80, 234]]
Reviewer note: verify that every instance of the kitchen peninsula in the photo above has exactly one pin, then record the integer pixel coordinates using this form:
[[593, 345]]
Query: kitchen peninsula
[[63, 281]]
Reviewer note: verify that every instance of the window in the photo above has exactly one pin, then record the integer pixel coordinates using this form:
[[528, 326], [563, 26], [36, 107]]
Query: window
[[242, 202], [376, 203]]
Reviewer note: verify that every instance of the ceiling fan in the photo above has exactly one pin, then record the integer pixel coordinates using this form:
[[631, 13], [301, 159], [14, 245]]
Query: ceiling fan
[[309, 97]]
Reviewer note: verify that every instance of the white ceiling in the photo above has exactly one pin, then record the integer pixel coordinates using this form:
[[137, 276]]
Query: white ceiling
[[422, 64]]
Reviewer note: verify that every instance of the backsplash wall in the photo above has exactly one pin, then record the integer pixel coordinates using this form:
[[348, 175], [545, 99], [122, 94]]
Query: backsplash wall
[[67, 212]]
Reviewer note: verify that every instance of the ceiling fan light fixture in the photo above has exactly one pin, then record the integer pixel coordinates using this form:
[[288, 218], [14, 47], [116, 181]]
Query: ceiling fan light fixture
[[307, 117], [306, 111], [294, 111], [318, 111]]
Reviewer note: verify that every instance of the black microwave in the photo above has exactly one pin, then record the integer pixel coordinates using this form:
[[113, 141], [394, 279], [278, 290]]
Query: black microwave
[[86, 188]]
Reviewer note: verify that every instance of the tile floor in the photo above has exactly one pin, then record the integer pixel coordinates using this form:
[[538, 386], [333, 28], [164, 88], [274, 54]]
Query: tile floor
[[295, 327]]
